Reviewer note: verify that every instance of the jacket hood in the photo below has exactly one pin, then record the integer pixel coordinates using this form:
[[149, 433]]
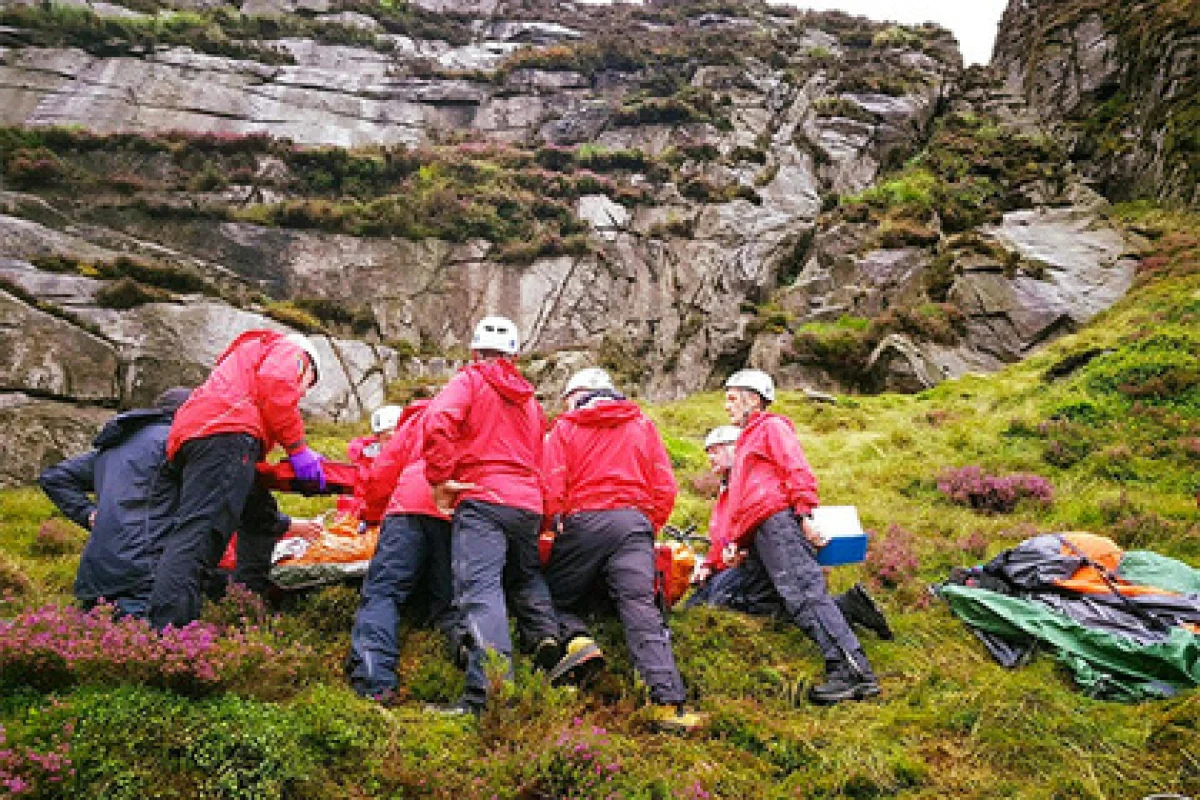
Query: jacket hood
[[411, 410], [504, 377], [605, 414], [759, 417], [122, 426], [265, 337]]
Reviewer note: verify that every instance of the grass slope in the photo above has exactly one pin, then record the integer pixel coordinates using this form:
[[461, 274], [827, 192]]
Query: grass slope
[[1118, 435]]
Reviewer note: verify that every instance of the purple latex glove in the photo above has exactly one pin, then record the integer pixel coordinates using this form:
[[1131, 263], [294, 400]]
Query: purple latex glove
[[307, 466]]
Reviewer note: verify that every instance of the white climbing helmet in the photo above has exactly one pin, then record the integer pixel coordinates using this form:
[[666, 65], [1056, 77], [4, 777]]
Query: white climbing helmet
[[592, 379], [755, 380], [496, 333], [725, 434], [303, 342], [384, 419]]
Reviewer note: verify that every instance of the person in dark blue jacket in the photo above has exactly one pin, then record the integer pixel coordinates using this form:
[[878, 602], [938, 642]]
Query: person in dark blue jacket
[[134, 503]]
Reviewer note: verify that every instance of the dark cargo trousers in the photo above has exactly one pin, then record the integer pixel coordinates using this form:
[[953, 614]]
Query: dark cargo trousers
[[603, 555], [493, 546], [789, 561], [217, 495], [746, 588], [412, 547]]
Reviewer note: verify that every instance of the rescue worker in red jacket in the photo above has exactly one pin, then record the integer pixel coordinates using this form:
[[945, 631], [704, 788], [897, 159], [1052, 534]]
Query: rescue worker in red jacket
[[772, 491], [247, 406], [727, 580], [363, 450], [483, 458], [713, 571], [414, 546], [610, 483]]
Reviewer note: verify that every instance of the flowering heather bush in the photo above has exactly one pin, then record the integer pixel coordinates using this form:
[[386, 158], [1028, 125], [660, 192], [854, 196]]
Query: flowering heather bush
[[974, 545], [13, 580], [971, 486], [57, 537], [239, 607], [25, 772], [53, 647], [892, 560], [575, 765]]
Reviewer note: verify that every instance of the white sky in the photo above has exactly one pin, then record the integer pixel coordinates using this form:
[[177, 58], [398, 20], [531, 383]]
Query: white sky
[[972, 21]]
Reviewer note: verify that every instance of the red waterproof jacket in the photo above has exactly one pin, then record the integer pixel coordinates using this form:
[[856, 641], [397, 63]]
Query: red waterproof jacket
[[255, 388], [400, 451], [605, 456], [770, 473], [486, 428], [413, 494], [718, 532]]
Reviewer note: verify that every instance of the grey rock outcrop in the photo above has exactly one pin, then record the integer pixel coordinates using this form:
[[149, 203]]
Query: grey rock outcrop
[[1085, 266], [39, 432], [48, 356], [1118, 82]]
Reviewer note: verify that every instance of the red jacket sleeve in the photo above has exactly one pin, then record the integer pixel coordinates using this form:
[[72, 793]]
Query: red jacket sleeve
[[717, 533], [385, 471], [554, 470], [796, 477], [278, 390], [445, 423], [663, 487]]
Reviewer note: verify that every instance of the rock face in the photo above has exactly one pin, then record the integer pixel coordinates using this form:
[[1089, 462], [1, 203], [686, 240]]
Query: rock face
[[1085, 268], [1119, 81], [744, 147]]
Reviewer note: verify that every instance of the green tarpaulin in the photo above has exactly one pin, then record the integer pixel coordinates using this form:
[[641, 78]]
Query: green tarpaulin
[[1104, 664]]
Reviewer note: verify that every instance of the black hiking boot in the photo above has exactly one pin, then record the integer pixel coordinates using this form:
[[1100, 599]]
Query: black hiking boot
[[838, 688], [547, 654], [859, 609]]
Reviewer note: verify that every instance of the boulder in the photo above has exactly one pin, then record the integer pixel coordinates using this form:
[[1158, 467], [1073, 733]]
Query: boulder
[[605, 216], [1085, 266], [39, 433], [900, 364], [49, 356]]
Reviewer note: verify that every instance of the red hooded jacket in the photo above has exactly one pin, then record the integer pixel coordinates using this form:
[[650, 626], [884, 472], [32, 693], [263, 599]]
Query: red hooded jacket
[[396, 482], [486, 428], [606, 456], [770, 473], [254, 388]]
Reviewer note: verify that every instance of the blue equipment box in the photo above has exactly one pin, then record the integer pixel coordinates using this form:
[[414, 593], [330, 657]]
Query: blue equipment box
[[847, 540]]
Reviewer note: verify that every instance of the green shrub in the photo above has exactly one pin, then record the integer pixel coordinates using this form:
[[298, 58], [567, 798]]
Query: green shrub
[[841, 107], [1161, 369], [293, 316], [655, 111], [29, 168], [14, 582], [56, 537], [226, 747], [125, 293]]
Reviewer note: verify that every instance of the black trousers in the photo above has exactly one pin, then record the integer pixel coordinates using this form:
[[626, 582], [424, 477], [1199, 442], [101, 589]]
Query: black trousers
[[609, 555], [217, 495]]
